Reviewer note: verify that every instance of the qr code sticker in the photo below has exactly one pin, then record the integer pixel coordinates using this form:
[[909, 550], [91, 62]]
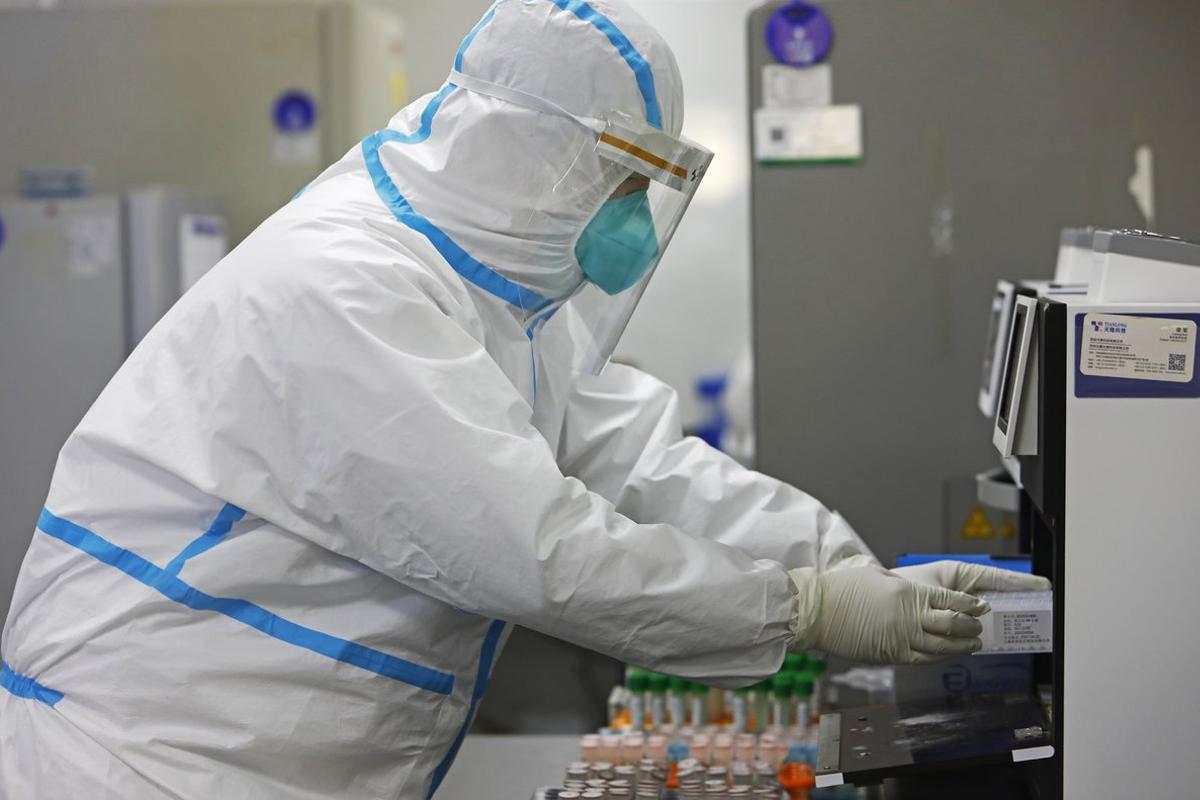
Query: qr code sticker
[[1177, 362]]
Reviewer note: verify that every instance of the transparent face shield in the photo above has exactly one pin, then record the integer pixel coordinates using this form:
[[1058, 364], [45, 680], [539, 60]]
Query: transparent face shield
[[639, 180], [635, 181]]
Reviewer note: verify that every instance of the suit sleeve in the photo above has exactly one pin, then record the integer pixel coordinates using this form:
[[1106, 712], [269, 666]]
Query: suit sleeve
[[622, 436]]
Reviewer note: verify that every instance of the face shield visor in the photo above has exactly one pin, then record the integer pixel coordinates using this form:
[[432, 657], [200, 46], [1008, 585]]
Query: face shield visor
[[634, 182], [640, 181]]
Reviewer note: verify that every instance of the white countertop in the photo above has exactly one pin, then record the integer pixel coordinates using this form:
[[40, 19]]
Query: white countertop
[[503, 767]]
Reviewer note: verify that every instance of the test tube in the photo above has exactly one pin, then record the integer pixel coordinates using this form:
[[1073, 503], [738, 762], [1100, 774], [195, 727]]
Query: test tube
[[677, 701], [701, 745], [723, 750], [741, 710], [658, 699], [802, 686], [698, 696], [636, 681], [610, 748], [656, 748], [625, 772], [578, 773], [589, 747], [714, 788], [632, 745], [770, 750], [744, 750], [740, 774], [781, 700], [761, 693], [817, 667]]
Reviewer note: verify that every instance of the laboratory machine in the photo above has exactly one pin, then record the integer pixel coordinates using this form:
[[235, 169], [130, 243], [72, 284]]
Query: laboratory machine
[[939, 145], [1098, 424]]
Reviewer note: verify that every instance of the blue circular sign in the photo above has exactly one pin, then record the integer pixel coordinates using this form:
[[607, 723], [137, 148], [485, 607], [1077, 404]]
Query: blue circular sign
[[295, 111], [799, 34]]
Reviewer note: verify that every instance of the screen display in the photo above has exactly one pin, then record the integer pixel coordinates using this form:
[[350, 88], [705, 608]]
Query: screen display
[[989, 355], [1010, 368]]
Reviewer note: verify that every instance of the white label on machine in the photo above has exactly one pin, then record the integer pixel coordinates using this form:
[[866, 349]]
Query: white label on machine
[[1141, 348], [203, 242], [797, 87], [812, 135], [1019, 622]]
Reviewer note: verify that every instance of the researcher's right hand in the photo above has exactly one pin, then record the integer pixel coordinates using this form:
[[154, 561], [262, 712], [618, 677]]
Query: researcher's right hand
[[872, 615]]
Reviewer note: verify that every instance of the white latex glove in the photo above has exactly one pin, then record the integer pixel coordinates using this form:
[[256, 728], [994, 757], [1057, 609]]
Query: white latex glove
[[872, 615], [974, 579]]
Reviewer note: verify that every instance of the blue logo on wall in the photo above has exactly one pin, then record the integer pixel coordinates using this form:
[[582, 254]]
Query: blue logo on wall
[[295, 111], [799, 34]]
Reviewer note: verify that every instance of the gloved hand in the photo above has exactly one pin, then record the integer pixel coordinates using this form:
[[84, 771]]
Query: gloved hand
[[973, 579], [870, 614]]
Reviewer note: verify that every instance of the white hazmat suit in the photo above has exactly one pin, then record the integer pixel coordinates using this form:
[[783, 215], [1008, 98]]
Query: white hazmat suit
[[282, 550]]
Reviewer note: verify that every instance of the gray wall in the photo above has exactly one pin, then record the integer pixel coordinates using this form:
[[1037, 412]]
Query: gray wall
[[998, 123]]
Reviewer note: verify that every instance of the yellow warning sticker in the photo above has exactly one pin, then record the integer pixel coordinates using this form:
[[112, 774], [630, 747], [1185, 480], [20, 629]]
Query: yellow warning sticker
[[978, 526], [1008, 530]]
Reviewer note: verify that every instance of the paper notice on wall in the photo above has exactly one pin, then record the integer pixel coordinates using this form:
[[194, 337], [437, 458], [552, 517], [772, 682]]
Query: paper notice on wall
[[92, 243], [808, 135], [203, 241], [797, 87]]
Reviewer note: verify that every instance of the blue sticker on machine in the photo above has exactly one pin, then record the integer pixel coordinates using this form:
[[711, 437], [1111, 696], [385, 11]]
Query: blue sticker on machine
[[799, 34], [295, 111], [1122, 361]]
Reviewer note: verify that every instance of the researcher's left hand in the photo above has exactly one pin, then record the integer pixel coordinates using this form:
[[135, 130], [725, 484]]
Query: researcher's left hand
[[973, 579]]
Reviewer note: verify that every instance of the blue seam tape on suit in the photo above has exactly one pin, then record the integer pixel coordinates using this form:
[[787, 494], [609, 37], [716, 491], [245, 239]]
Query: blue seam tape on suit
[[244, 611], [462, 48], [226, 517], [482, 677], [24, 686], [472, 270], [637, 62]]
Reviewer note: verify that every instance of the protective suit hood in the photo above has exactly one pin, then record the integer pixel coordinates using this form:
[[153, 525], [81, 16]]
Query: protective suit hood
[[482, 174]]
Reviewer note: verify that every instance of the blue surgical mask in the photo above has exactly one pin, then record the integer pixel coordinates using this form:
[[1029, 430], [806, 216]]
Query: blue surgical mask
[[620, 244]]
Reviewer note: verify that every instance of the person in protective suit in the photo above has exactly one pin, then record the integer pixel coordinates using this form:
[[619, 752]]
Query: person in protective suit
[[283, 549]]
